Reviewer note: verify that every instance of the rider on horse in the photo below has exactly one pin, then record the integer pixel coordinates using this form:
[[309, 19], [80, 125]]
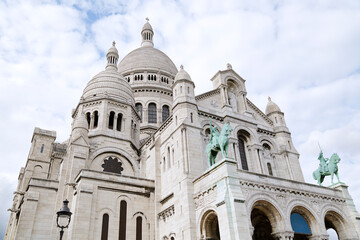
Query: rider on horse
[[214, 134], [323, 163]]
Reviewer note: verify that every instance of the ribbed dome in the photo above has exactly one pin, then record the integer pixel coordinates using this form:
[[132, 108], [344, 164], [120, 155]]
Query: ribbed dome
[[271, 107], [109, 83], [147, 58], [182, 75], [147, 26]]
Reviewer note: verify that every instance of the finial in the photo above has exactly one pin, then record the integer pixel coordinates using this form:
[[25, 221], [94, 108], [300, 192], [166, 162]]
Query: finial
[[113, 43], [269, 98], [181, 67], [229, 66], [147, 19]]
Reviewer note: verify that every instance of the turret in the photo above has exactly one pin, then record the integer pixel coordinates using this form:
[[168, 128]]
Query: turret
[[147, 34], [184, 103], [275, 114]]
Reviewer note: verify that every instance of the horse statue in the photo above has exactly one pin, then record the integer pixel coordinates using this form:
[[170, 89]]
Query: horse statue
[[327, 168], [218, 142]]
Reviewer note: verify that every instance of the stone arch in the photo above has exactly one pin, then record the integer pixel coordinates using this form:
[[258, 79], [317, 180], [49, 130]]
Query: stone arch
[[269, 207], [305, 210], [251, 133], [334, 219], [269, 141], [37, 172], [209, 225]]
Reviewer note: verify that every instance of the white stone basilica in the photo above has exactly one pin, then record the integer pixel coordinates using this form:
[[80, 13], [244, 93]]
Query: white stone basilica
[[135, 165]]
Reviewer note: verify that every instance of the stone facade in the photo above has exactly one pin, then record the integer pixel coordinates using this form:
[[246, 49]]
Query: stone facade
[[135, 165]]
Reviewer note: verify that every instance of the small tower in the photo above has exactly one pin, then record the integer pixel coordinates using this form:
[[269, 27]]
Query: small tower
[[112, 57], [275, 114], [80, 128], [184, 103], [147, 34]]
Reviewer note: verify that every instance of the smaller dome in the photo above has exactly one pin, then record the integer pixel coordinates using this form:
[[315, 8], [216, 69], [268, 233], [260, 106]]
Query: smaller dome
[[182, 75], [147, 26], [113, 50], [271, 107]]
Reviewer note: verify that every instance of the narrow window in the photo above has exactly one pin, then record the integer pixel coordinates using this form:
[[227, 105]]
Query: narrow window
[[164, 162], [269, 169], [152, 113], [275, 119], [191, 118], [88, 119], [138, 107], [165, 112], [118, 122], [141, 77], [168, 157], [105, 227], [96, 119], [242, 154], [289, 144], [148, 77], [180, 89], [155, 78], [188, 90], [139, 228], [42, 148], [111, 120], [122, 223]]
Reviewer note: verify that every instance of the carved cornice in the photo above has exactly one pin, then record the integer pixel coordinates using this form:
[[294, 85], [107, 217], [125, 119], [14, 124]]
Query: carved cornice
[[208, 195], [207, 94], [260, 130], [209, 115], [167, 213], [117, 104], [278, 189], [256, 109], [90, 104]]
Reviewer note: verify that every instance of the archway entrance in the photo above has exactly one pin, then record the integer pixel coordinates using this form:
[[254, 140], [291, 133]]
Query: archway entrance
[[210, 226], [261, 224], [337, 224]]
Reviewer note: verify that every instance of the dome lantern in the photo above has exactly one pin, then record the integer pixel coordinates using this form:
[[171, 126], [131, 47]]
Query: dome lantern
[[147, 34], [112, 57]]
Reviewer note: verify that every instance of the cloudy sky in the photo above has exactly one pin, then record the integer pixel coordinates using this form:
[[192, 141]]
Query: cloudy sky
[[304, 54]]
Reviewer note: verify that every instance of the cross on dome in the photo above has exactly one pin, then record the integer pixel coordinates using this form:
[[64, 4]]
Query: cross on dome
[[181, 67], [113, 43], [269, 98], [147, 19]]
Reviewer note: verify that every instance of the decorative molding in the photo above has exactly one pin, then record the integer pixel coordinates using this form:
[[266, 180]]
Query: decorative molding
[[167, 198], [207, 115], [118, 104], [284, 190], [90, 104], [207, 94], [220, 203], [167, 213], [256, 109], [260, 130], [208, 195]]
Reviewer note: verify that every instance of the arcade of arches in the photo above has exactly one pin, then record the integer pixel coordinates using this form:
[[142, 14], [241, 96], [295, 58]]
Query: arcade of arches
[[268, 224]]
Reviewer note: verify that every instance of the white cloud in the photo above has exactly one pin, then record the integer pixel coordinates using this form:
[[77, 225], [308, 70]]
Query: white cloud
[[304, 54]]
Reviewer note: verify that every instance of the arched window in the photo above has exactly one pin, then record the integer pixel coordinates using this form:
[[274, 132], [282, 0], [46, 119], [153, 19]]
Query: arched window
[[88, 118], [149, 77], [269, 169], [152, 113], [105, 227], [299, 224], [96, 119], [242, 138], [165, 112], [139, 228], [138, 107], [164, 162], [191, 118], [111, 120], [42, 148], [122, 223], [118, 122]]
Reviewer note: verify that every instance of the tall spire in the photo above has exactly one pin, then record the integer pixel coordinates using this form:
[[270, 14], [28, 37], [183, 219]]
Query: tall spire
[[147, 34], [112, 57]]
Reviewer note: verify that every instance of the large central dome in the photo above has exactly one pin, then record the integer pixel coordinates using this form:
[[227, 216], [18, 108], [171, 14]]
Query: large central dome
[[147, 58]]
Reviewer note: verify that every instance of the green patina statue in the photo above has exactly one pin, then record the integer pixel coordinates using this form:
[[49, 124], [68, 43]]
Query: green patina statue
[[218, 142], [327, 167]]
